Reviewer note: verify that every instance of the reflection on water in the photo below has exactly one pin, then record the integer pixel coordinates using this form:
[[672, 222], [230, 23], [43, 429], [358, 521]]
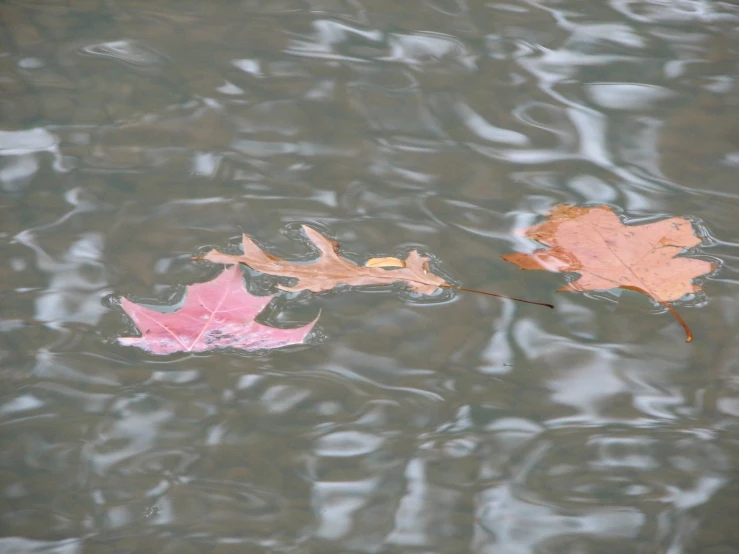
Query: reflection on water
[[137, 134]]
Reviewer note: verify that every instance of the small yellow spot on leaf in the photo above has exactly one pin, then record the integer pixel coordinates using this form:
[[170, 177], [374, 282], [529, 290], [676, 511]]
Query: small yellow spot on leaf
[[384, 262]]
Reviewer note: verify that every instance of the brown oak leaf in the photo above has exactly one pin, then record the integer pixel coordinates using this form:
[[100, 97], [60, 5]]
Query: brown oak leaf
[[609, 254], [331, 270]]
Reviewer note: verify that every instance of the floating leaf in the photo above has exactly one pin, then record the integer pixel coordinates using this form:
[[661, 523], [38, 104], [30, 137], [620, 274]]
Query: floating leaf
[[216, 314], [331, 270], [608, 254]]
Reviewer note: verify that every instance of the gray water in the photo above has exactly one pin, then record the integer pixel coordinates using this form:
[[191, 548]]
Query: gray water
[[135, 135]]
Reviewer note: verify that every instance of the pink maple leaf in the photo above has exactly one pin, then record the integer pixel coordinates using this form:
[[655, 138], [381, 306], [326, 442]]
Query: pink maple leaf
[[216, 314]]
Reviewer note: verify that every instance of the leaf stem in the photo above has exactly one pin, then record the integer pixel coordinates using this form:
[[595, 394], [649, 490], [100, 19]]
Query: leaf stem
[[688, 334], [501, 296]]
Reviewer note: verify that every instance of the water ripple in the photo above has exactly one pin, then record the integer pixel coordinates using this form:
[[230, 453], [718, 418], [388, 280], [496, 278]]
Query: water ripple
[[128, 52], [136, 135]]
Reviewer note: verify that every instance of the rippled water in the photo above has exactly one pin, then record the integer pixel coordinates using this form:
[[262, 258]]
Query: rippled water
[[134, 135]]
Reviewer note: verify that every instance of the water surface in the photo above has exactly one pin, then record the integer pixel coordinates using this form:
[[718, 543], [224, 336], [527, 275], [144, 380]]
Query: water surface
[[134, 135]]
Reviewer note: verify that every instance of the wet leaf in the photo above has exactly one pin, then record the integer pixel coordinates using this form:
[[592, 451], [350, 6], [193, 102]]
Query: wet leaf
[[216, 314], [331, 270], [608, 254]]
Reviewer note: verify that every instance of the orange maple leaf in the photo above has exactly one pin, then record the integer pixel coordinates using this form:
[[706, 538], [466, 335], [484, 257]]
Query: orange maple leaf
[[608, 254]]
